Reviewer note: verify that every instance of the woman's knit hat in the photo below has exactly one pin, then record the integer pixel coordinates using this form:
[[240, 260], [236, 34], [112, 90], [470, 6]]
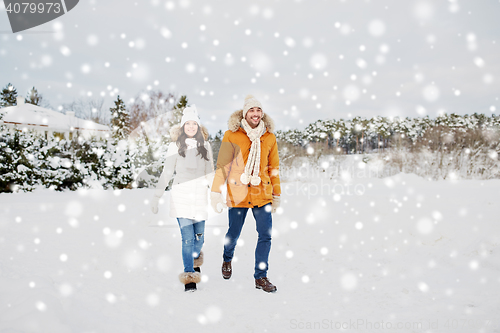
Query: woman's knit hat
[[190, 113], [251, 102]]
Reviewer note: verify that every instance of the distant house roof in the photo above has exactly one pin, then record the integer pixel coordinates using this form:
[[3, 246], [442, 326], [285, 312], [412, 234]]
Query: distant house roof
[[25, 114]]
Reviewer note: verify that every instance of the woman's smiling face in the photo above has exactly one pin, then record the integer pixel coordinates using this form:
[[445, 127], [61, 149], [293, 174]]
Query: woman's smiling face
[[190, 128]]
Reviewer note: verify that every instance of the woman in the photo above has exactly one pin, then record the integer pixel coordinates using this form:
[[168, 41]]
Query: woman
[[190, 156]]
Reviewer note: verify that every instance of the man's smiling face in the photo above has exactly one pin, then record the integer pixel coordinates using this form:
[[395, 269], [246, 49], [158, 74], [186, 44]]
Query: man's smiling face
[[253, 117]]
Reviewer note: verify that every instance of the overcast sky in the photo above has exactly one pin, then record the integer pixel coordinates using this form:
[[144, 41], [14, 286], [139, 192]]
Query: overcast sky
[[304, 60]]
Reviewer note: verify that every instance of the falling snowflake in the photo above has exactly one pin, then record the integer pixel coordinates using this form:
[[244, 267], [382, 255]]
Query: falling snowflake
[[349, 281]]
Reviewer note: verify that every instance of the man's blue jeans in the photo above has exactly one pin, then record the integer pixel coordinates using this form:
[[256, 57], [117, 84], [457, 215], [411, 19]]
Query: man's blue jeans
[[264, 224], [193, 236]]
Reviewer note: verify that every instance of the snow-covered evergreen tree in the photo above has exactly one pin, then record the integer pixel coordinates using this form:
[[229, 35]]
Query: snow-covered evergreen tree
[[18, 163], [8, 96], [120, 120], [119, 168], [34, 97], [177, 111]]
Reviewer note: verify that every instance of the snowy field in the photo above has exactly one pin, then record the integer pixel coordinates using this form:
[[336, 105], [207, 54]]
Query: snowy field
[[399, 254]]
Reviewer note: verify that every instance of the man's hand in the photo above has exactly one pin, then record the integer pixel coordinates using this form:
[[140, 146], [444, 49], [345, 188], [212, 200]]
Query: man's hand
[[276, 203], [215, 200]]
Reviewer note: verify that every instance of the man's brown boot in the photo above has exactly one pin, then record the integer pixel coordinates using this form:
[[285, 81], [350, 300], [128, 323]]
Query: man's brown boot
[[265, 284], [226, 270]]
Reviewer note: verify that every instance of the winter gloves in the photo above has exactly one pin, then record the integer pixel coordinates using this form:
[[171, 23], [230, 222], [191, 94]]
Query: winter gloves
[[215, 200], [276, 203], [154, 204]]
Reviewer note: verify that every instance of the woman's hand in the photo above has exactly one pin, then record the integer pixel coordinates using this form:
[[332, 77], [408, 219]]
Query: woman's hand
[[154, 204], [215, 200]]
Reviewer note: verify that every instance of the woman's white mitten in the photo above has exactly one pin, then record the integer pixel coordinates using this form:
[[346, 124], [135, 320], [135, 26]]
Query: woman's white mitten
[[215, 200], [154, 204]]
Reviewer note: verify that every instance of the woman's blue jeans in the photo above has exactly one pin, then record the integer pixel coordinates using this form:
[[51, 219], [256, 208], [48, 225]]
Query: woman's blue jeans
[[193, 237], [264, 225]]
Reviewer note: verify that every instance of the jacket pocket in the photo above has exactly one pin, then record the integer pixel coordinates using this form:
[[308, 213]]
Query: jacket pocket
[[237, 191], [268, 189]]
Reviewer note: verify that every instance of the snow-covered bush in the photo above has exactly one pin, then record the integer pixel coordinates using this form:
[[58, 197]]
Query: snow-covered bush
[[147, 159], [28, 161], [17, 163]]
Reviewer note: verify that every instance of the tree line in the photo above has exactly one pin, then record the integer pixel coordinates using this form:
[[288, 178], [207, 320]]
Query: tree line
[[145, 107], [361, 135]]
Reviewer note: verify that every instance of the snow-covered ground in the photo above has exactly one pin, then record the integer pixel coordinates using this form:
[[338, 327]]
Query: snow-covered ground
[[394, 252]]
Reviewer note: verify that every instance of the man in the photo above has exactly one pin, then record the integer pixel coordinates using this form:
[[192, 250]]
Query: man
[[248, 160]]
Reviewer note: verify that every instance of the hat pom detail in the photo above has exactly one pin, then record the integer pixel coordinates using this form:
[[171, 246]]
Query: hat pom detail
[[244, 179], [191, 108], [255, 180]]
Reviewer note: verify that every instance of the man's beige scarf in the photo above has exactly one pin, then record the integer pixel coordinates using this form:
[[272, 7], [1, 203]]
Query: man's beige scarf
[[252, 168]]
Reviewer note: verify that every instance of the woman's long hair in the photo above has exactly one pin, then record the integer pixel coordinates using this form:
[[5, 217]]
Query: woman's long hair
[[181, 143]]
